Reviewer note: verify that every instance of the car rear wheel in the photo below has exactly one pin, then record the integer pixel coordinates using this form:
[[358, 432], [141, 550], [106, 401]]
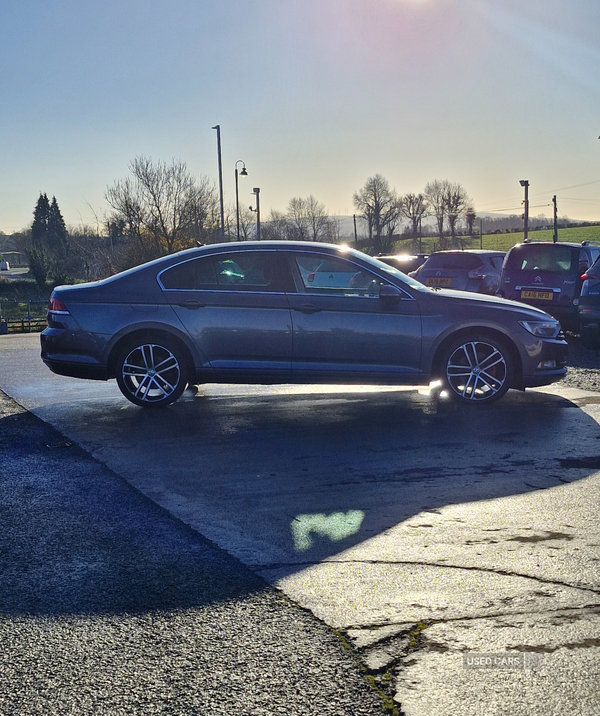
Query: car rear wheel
[[152, 373], [477, 370]]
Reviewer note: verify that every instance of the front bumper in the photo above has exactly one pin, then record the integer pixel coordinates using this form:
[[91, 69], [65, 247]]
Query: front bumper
[[546, 364]]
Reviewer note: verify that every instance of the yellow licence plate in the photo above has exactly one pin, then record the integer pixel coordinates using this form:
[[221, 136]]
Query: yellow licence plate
[[538, 295], [438, 281]]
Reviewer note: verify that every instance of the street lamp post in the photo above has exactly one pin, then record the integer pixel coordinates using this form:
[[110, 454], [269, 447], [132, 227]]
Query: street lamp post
[[256, 192], [218, 128], [243, 173], [525, 184]]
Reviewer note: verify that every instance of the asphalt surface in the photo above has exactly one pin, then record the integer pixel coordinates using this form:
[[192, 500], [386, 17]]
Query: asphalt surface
[[424, 532], [109, 605]]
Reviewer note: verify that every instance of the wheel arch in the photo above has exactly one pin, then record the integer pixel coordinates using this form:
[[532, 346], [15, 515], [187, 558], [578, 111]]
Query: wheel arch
[[481, 332], [149, 333]]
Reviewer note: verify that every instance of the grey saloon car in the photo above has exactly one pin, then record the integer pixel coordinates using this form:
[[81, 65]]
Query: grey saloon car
[[248, 312]]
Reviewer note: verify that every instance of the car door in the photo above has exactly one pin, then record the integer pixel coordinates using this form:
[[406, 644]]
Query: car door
[[347, 328], [234, 307]]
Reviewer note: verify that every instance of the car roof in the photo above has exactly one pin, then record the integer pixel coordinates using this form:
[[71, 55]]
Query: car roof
[[573, 244], [469, 251]]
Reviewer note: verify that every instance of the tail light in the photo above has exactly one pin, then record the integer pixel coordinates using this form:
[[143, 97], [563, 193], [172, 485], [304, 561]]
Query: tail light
[[476, 274], [589, 276], [55, 305]]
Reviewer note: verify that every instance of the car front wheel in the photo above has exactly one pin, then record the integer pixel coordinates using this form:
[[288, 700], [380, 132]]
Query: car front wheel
[[151, 373], [477, 370]]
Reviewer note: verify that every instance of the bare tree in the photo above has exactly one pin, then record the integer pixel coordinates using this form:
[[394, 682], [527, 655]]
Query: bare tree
[[414, 207], [456, 201], [163, 206], [378, 204], [247, 224], [276, 226], [435, 194], [318, 219], [298, 219]]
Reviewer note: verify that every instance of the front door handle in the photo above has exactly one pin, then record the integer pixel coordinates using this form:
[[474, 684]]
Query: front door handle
[[307, 308]]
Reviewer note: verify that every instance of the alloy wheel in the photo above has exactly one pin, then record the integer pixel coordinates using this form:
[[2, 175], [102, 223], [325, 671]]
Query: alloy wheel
[[477, 371], [150, 374]]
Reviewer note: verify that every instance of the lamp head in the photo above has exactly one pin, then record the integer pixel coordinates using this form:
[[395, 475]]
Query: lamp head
[[244, 173]]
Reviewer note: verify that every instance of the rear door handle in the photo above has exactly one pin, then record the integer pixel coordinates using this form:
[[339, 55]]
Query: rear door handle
[[307, 308], [192, 304]]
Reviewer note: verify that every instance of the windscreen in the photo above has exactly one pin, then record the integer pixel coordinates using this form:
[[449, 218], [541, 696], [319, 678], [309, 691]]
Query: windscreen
[[466, 262], [549, 259]]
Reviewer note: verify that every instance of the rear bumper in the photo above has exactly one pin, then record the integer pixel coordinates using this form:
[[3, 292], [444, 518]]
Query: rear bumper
[[63, 356], [74, 368]]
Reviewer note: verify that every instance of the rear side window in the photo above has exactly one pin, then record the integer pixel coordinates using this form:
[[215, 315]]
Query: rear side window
[[549, 259], [190, 275], [497, 262], [466, 262], [239, 271]]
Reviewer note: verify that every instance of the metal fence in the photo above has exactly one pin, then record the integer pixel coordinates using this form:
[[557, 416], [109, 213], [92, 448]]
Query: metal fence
[[22, 316]]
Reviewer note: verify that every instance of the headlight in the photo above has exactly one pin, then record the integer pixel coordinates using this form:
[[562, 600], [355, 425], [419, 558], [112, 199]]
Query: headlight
[[542, 329]]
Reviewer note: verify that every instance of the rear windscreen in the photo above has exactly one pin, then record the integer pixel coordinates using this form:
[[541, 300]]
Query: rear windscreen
[[551, 259], [453, 261]]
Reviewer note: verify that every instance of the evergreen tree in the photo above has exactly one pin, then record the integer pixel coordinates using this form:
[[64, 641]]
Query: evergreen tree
[[58, 236], [50, 252], [39, 228]]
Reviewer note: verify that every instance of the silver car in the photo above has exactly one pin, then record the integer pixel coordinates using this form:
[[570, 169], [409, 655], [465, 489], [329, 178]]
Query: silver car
[[249, 313], [468, 270]]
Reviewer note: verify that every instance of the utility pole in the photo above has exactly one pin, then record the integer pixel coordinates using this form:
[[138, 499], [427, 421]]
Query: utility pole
[[524, 183], [355, 232], [244, 173], [256, 192], [555, 235], [218, 128]]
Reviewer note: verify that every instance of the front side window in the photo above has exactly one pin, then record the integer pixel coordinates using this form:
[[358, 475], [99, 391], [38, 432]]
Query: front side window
[[335, 276], [238, 271]]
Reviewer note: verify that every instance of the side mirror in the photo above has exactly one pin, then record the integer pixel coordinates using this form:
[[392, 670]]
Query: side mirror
[[390, 295]]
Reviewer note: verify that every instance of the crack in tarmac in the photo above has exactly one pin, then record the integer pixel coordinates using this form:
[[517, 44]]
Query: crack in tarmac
[[584, 609], [487, 570]]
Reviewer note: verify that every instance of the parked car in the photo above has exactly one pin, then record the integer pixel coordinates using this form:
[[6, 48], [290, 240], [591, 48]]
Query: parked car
[[4, 265], [180, 320], [548, 275], [326, 273], [469, 270], [589, 307], [404, 262]]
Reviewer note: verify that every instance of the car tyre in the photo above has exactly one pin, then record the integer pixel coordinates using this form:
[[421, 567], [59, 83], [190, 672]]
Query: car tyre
[[152, 373], [477, 369], [590, 337]]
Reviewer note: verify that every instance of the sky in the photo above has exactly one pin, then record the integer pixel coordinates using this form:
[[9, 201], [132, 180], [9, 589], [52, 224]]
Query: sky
[[315, 96]]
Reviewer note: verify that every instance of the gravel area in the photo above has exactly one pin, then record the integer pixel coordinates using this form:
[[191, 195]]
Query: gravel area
[[109, 606], [584, 366]]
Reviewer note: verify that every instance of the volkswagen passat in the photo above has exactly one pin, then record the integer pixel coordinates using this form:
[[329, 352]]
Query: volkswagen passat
[[249, 313]]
